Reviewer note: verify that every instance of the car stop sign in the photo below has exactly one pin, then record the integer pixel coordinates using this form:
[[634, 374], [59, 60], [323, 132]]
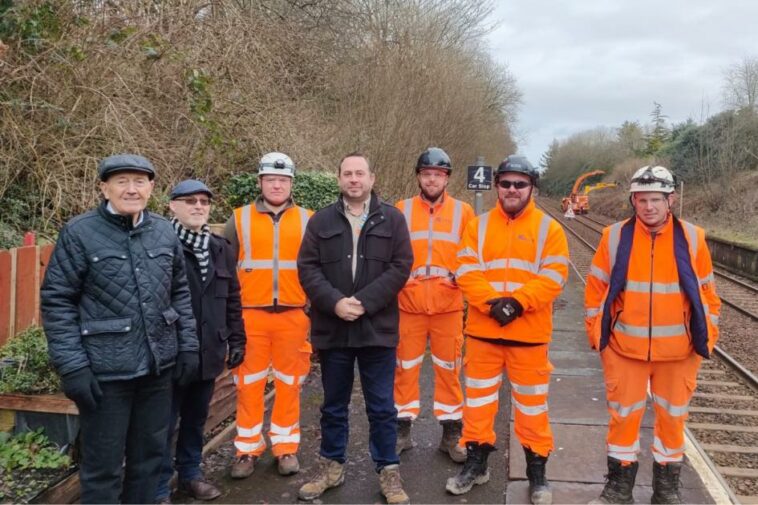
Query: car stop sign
[[479, 178]]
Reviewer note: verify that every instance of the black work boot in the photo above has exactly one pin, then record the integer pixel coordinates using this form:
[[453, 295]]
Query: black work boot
[[474, 471], [666, 483], [451, 433], [404, 440], [619, 483], [539, 488]]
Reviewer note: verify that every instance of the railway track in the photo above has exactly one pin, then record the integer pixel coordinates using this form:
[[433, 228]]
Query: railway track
[[723, 414]]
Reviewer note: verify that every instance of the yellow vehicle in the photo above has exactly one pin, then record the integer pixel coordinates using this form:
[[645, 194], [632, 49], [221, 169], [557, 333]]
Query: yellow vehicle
[[580, 203], [600, 185]]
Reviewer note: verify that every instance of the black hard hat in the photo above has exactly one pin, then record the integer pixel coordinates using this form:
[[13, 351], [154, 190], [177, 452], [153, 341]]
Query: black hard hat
[[124, 162], [190, 187], [518, 164], [434, 157]]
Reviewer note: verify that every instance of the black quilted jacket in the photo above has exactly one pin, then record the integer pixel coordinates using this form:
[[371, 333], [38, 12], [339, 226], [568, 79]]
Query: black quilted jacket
[[116, 298]]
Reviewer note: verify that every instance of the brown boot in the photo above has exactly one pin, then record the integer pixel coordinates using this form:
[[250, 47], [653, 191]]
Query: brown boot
[[288, 464], [392, 485], [243, 466], [330, 474], [451, 433], [200, 489]]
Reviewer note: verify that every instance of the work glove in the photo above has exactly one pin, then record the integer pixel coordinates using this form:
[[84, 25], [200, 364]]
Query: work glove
[[505, 310], [82, 387], [236, 357], [187, 365]]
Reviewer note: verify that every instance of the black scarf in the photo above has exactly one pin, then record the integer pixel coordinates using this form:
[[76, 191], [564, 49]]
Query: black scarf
[[198, 242]]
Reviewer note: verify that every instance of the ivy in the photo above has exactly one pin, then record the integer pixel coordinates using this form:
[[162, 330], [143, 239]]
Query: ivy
[[312, 190], [24, 365]]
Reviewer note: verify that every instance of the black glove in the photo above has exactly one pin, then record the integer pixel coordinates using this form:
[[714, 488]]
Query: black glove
[[187, 365], [505, 310], [81, 386], [236, 357]]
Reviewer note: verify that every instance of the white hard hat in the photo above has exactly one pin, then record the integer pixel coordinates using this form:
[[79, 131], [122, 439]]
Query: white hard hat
[[276, 164], [652, 178]]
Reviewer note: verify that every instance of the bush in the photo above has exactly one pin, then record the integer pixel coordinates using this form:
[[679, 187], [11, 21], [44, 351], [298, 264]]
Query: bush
[[31, 449], [24, 365], [312, 190]]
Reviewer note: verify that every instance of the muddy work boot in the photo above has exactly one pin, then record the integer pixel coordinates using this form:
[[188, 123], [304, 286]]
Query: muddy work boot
[[619, 483], [200, 489], [474, 471], [288, 464], [243, 466], [666, 483], [451, 433], [330, 474], [539, 488], [404, 441], [392, 485]]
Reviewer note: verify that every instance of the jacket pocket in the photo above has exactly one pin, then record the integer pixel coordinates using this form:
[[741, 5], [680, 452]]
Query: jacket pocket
[[330, 245], [109, 262], [108, 346], [167, 341], [163, 256], [222, 280], [378, 244]]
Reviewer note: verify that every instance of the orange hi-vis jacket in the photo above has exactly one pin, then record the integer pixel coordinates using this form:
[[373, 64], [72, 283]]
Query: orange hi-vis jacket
[[526, 258], [435, 232], [650, 318], [267, 263]]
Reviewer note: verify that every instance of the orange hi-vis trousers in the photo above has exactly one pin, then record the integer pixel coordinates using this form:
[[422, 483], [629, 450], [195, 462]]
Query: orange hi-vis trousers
[[280, 341], [626, 384], [445, 334], [528, 370]]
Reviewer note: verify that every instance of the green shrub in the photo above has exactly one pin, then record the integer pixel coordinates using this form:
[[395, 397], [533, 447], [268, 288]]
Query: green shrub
[[312, 190], [24, 365], [31, 449]]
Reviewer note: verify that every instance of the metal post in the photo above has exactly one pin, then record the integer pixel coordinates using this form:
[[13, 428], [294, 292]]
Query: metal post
[[478, 199], [681, 198]]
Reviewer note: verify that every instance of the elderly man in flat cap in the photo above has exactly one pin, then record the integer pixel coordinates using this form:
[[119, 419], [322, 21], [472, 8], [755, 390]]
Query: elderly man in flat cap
[[212, 273], [117, 312]]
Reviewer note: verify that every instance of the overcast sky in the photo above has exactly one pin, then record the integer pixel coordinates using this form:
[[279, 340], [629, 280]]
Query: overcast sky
[[587, 63]]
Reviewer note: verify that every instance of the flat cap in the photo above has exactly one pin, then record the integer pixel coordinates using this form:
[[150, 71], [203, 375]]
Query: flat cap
[[122, 162], [190, 187]]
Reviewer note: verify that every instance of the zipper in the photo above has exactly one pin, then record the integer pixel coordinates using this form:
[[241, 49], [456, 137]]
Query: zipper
[[650, 301], [429, 242]]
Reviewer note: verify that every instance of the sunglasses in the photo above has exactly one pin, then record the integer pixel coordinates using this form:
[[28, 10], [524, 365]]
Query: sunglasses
[[192, 200], [506, 184]]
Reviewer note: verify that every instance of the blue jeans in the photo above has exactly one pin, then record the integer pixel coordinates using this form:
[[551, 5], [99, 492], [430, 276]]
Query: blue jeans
[[130, 422], [376, 366], [190, 404]]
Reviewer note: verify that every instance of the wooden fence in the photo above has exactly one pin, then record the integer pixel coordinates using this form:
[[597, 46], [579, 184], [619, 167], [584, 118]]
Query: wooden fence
[[21, 272]]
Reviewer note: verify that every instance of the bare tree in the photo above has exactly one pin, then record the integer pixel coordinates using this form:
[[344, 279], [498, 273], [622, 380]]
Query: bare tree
[[741, 84]]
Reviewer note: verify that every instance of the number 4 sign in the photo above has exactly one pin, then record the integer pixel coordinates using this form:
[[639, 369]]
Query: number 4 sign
[[479, 178]]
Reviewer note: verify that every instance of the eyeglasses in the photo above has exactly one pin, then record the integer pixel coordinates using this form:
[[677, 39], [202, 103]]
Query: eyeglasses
[[506, 184], [192, 200]]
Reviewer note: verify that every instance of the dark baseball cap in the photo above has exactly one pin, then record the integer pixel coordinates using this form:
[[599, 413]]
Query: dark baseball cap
[[124, 162], [190, 187]]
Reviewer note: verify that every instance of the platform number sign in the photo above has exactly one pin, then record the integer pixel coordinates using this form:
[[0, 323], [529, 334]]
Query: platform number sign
[[479, 178]]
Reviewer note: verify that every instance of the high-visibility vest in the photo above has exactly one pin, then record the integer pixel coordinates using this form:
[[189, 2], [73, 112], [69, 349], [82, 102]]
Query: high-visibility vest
[[652, 296], [435, 232], [526, 258], [267, 262]]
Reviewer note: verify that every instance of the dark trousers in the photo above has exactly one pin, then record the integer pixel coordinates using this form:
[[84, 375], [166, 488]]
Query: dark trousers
[[376, 366], [129, 422], [190, 405]]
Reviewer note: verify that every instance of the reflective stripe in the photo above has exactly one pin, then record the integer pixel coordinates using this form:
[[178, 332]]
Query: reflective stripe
[[431, 272], [246, 447], [614, 236], [267, 264], [530, 410], [415, 404], [302, 378], [705, 280], [249, 432], [303, 221], [538, 389], [552, 275], [283, 430], [254, 377], [507, 286], [515, 263], [457, 220], [447, 408], [483, 383], [481, 233], [691, 232], [467, 252], [658, 445], [247, 243], [660, 458], [285, 439], [592, 312], [714, 319], [407, 364], [624, 411], [408, 212], [658, 331], [435, 235], [601, 274], [673, 410], [542, 237], [549, 260], [447, 365], [663, 288], [624, 452], [464, 269], [484, 400], [450, 417], [287, 379]]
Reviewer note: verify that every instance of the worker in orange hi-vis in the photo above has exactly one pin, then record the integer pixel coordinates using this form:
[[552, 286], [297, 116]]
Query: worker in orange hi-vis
[[431, 304], [267, 234], [513, 264], [652, 311]]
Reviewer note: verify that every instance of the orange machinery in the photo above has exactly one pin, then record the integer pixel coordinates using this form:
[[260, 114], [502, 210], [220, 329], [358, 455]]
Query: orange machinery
[[580, 203]]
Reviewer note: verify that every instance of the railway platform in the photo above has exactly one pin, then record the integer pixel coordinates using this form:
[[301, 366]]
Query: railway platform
[[576, 469]]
